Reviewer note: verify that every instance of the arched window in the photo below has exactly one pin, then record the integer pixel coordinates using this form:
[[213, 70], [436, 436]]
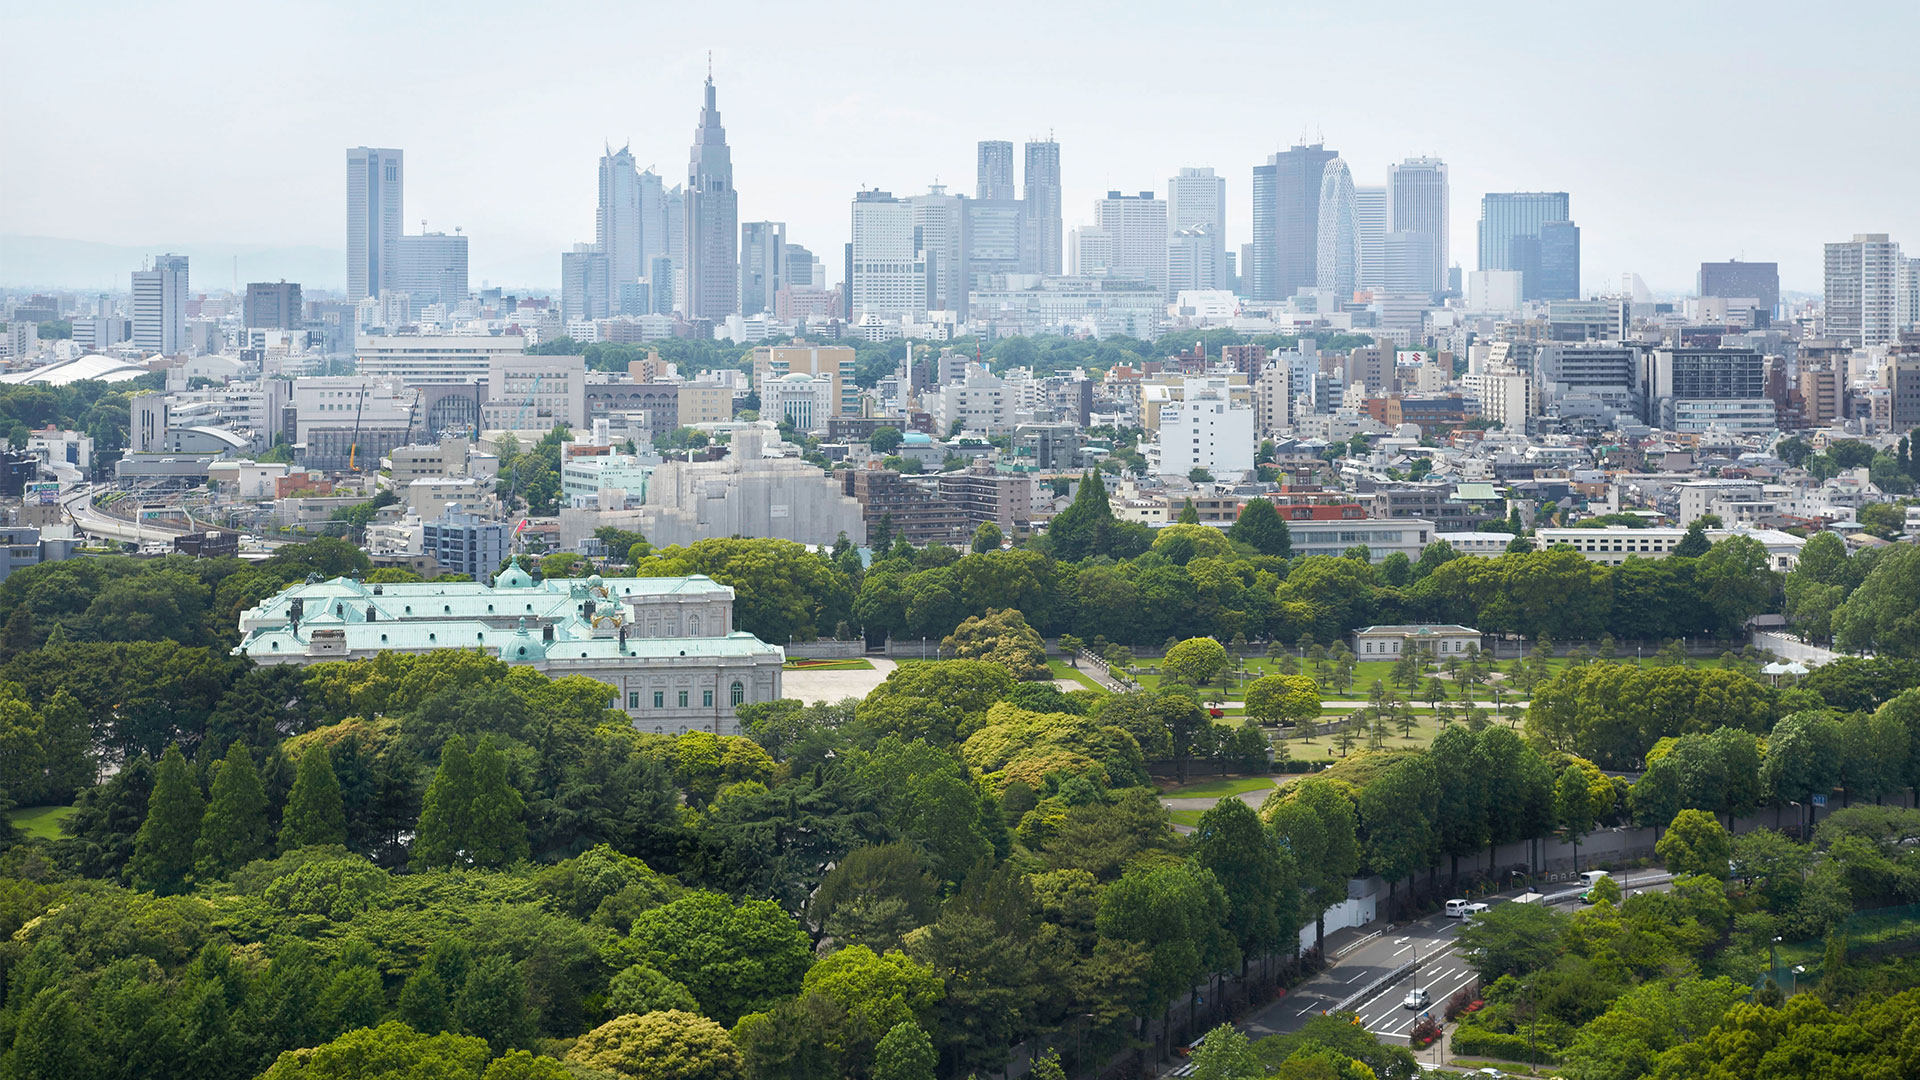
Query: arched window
[[693, 626], [738, 694]]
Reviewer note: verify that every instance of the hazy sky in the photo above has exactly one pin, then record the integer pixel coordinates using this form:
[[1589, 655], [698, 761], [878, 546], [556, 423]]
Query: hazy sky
[[1684, 131]]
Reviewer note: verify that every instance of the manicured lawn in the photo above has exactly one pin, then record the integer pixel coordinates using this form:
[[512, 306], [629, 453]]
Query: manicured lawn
[[40, 822], [1188, 818], [1063, 670], [1322, 747], [1365, 672], [1219, 789], [847, 664]]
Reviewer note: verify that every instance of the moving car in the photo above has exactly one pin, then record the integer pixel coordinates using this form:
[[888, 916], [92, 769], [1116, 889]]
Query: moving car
[[1456, 908], [1417, 998]]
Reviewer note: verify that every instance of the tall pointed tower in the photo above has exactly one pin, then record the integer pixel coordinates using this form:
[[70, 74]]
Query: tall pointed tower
[[712, 221]]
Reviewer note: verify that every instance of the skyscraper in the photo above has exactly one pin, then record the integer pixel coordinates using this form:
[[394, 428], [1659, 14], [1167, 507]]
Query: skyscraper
[[712, 220], [273, 305], [939, 218], [431, 268], [1196, 198], [1286, 222], [160, 305], [1137, 226], [763, 259], [616, 226], [657, 225], [1337, 263], [1417, 202], [1743, 281], [376, 182], [1507, 216], [1370, 218], [1042, 182], [1511, 238], [1863, 278], [1559, 276], [585, 280], [995, 169]]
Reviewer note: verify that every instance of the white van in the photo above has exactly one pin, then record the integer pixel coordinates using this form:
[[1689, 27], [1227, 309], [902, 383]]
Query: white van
[[1472, 911], [1456, 908], [1592, 877]]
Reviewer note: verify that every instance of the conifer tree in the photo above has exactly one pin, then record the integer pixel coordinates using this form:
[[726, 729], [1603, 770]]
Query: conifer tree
[[163, 848], [440, 840], [233, 832], [315, 812], [496, 824]]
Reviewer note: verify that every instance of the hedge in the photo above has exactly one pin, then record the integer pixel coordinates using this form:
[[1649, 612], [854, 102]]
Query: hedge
[[1479, 1042]]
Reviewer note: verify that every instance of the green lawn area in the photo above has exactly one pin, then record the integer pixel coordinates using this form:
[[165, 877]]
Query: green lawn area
[[1322, 747], [1188, 818], [848, 664], [1063, 670], [40, 822], [1219, 789], [1365, 673]]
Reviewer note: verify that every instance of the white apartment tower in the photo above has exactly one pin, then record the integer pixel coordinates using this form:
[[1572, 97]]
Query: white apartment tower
[[1863, 278]]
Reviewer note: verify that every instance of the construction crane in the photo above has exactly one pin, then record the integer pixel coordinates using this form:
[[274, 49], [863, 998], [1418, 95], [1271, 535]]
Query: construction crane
[[360, 408], [521, 418]]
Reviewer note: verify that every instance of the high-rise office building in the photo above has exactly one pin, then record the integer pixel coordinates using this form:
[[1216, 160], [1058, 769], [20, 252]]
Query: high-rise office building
[[1042, 182], [712, 220], [1863, 278], [1738, 280], [376, 182], [992, 235], [803, 269], [1407, 264], [160, 306], [658, 223], [763, 258], [616, 226], [1418, 202], [675, 202], [1137, 225], [940, 220], [272, 305], [1191, 261], [1370, 219], [1559, 274], [431, 268], [1514, 236], [1337, 263], [1286, 222], [585, 283], [1196, 199], [887, 272], [995, 169]]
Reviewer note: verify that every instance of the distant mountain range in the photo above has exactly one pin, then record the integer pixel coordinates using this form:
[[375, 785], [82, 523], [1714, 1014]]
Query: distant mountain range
[[50, 262]]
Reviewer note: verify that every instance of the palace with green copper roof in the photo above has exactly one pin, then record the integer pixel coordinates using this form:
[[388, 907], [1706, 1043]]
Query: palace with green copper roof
[[667, 647]]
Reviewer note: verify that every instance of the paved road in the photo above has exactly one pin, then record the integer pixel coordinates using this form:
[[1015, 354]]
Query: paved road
[[1428, 942], [79, 504]]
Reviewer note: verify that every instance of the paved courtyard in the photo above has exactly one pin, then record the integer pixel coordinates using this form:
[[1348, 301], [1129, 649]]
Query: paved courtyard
[[815, 686]]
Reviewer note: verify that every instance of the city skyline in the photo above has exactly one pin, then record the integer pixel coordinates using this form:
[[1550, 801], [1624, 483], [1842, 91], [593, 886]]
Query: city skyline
[[801, 151]]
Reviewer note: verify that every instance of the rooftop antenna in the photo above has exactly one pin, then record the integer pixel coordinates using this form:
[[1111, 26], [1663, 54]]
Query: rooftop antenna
[[709, 65]]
